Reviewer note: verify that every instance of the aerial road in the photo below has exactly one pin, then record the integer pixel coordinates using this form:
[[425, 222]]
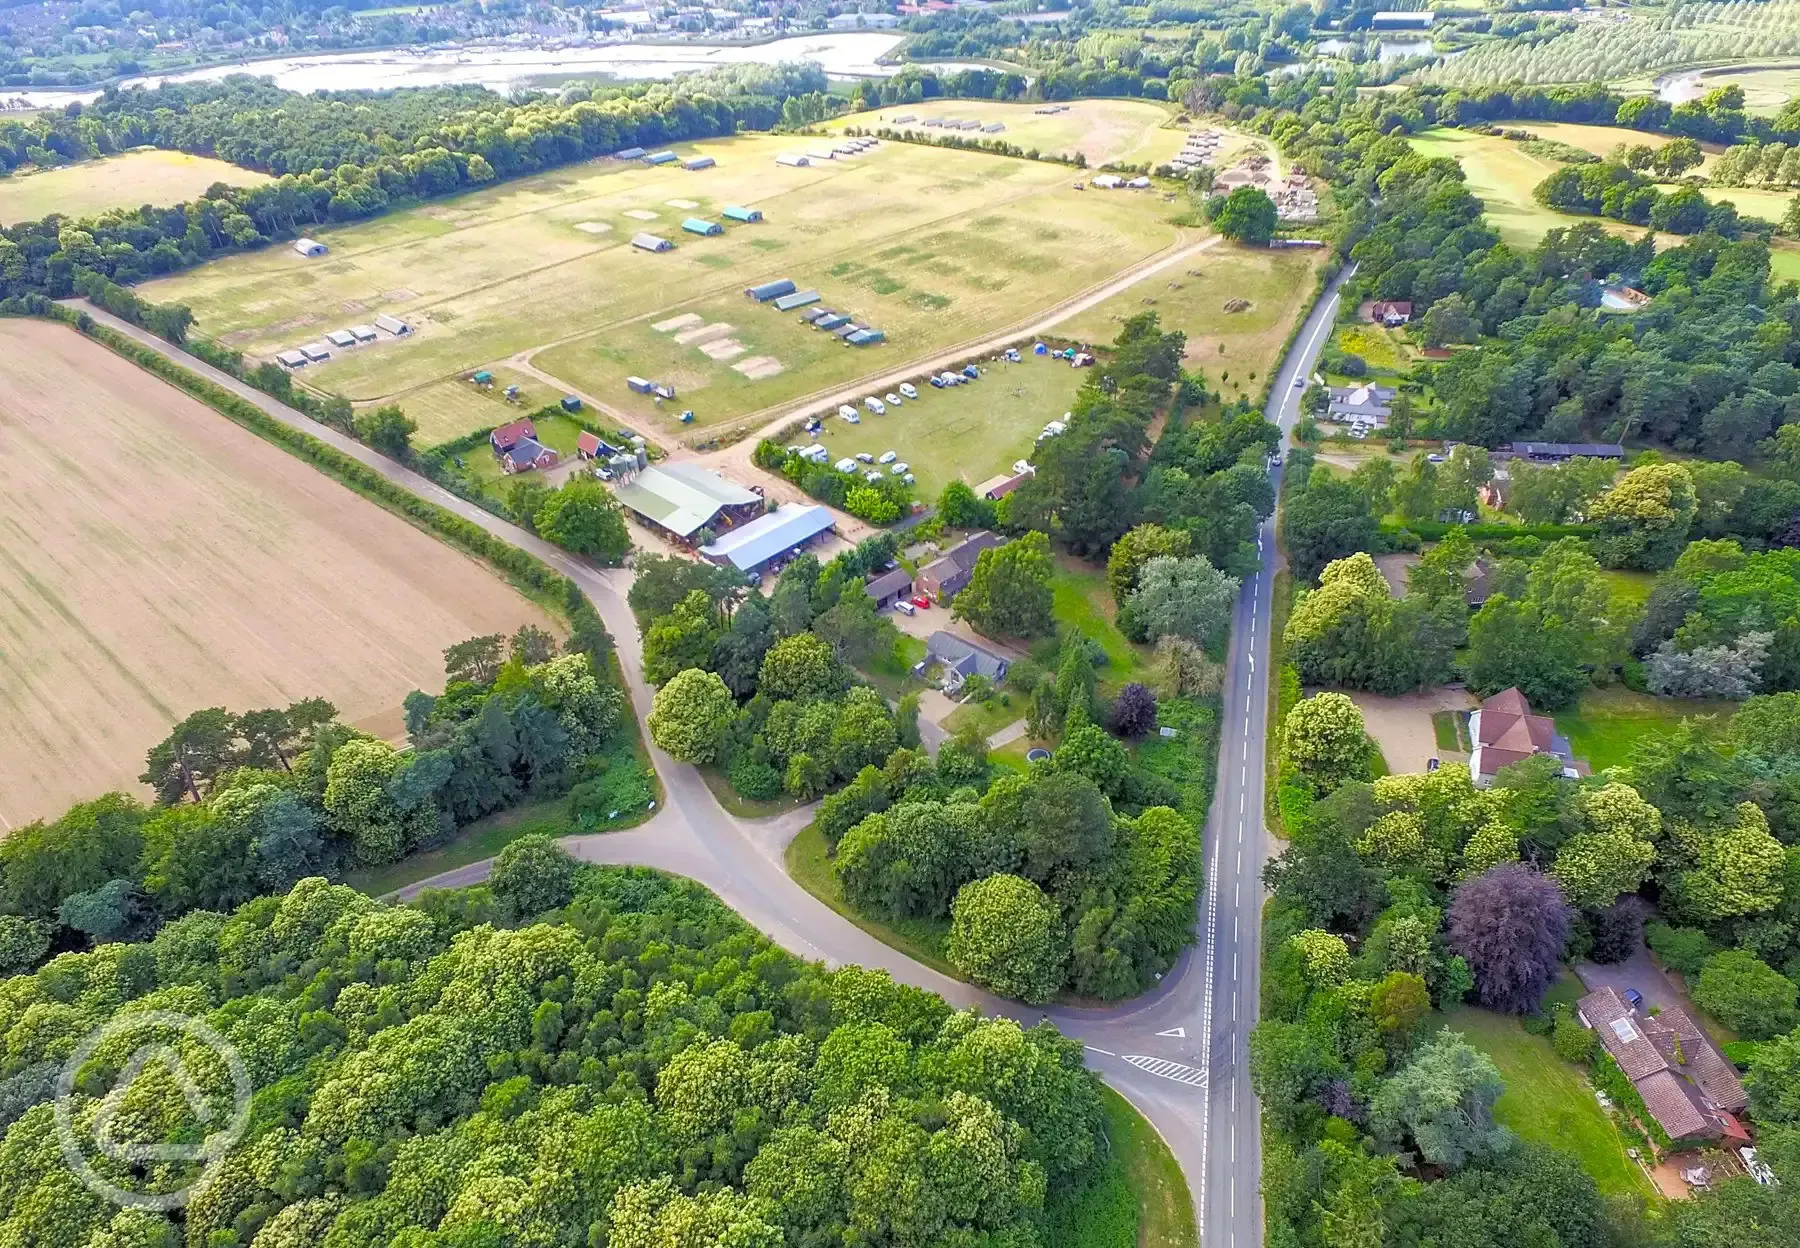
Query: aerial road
[[1179, 1054]]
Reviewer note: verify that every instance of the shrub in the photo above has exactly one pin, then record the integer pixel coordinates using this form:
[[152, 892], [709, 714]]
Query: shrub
[[1682, 949], [1573, 1042], [755, 780]]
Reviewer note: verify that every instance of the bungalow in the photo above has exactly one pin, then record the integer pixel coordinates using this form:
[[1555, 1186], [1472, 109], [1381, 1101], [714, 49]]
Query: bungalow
[[309, 247], [736, 212], [698, 163], [1390, 312], [770, 290], [944, 578], [1366, 404], [651, 242], [706, 229], [505, 437], [962, 658], [889, 588], [1506, 732], [393, 325], [1686, 1084], [526, 454]]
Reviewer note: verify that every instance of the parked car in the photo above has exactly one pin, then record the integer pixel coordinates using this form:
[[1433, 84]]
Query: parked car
[[865, 457], [899, 468], [887, 457], [921, 600], [908, 391], [937, 383], [1299, 383], [1275, 460], [1633, 998], [893, 400], [904, 607], [909, 479]]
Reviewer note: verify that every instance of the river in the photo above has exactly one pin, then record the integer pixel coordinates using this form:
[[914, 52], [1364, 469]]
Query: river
[[842, 54]]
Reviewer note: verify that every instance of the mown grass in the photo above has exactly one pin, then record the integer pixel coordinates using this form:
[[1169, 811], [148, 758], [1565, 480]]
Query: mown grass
[[1549, 1101], [92, 186], [1607, 724], [1139, 1200], [1083, 603], [990, 716]]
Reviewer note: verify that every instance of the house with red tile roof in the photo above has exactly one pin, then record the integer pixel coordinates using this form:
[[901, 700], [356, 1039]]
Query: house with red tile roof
[[1688, 1086], [1506, 732], [503, 438]]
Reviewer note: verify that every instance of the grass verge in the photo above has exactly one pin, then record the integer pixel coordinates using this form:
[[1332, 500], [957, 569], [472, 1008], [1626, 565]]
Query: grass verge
[[809, 864], [1139, 1200]]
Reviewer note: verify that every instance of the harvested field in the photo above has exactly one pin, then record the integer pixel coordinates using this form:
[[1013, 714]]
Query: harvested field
[[1102, 130], [159, 559], [92, 186]]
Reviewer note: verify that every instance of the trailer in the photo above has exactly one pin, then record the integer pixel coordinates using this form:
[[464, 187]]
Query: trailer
[[638, 385]]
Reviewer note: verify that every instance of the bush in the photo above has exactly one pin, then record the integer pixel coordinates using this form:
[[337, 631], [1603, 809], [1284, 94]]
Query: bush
[[621, 788], [1746, 994], [1682, 949], [755, 780], [532, 875], [1573, 1042]]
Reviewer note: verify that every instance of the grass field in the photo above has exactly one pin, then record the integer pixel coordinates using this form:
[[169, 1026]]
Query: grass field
[[934, 247], [967, 433], [452, 408], [1607, 724], [93, 186], [1767, 87], [1549, 1101], [1083, 603], [1128, 131], [1140, 1199], [159, 559], [1278, 285]]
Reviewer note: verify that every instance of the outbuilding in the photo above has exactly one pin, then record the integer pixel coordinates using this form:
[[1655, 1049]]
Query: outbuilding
[[779, 533], [393, 325], [660, 158], [799, 299], [316, 352], [651, 242], [630, 153], [639, 385], [865, 337], [706, 229], [680, 499], [363, 333], [771, 290], [994, 127], [341, 338], [889, 588], [291, 359], [698, 163], [309, 247], [835, 320], [794, 160], [737, 212]]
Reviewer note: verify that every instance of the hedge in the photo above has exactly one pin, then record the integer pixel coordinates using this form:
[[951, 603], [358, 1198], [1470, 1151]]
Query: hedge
[[1434, 530]]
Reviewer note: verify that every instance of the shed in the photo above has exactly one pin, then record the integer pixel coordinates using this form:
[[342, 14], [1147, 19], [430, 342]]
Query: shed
[[660, 158], [736, 212], [309, 247], [994, 127], [845, 330], [831, 322], [630, 153], [794, 159], [799, 299], [694, 225], [698, 163], [571, 403], [813, 314], [393, 325], [889, 587], [771, 290], [316, 351], [865, 337], [780, 532], [292, 359], [651, 242], [341, 338], [363, 333], [639, 385]]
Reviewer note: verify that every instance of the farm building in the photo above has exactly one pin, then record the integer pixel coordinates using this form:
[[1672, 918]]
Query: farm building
[[865, 337], [292, 359], [639, 385], [525, 455], [698, 163], [309, 247], [341, 338], [794, 159], [945, 578], [393, 325], [779, 533], [630, 153], [889, 588], [812, 315], [771, 290], [694, 225], [660, 158], [681, 499], [845, 330], [799, 299], [363, 333], [316, 352], [834, 321], [735, 212], [651, 242], [821, 153], [996, 488], [1557, 452], [994, 127], [505, 437]]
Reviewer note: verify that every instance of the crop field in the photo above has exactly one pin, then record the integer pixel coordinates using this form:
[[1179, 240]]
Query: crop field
[[91, 186], [932, 246], [159, 559], [1277, 284], [1127, 131], [1602, 139], [966, 433]]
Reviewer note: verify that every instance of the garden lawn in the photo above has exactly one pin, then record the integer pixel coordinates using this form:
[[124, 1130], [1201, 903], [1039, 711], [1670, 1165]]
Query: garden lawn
[[1549, 1101], [1140, 1199], [1606, 725], [990, 716], [1084, 604]]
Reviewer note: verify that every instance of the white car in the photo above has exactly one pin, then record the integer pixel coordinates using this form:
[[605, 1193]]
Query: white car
[[907, 390], [887, 457], [865, 457], [874, 405], [847, 412], [893, 400], [909, 478], [871, 477], [899, 468]]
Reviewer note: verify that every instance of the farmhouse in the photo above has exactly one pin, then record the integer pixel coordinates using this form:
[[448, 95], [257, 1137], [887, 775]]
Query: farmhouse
[[309, 247], [505, 437], [1390, 312], [1686, 1083], [706, 229], [799, 299], [737, 212], [945, 578], [776, 535], [889, 588], [1506, 732], [962, 658], [393, 325], [770, 290], [1558, 452], [292, 359], [698, 163], [682, 499], [651, 242], [526, 454]]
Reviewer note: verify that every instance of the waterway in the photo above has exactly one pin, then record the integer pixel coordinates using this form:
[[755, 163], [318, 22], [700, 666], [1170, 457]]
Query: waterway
[[844, 54]]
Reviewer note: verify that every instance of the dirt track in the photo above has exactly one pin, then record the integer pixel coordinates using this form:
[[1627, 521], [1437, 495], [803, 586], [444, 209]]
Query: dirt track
[[155, 559]]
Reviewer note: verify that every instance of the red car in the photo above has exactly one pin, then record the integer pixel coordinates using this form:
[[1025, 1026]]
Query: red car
[[921, 601]]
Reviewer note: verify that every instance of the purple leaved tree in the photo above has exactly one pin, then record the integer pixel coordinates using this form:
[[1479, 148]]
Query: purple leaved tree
[[1510, 924], [1134, 711]]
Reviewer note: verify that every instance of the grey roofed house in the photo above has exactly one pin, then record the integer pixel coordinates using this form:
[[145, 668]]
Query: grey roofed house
[[944, 578], [1686, 1083], [1368, 402], [889, 587], [962, 659]]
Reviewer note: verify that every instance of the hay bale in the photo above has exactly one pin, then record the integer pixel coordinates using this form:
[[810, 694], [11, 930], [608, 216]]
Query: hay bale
[[1237, 305]]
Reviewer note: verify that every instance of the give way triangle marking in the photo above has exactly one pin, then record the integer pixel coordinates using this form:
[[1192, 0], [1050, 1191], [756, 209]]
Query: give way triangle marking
[[1180, 1033]]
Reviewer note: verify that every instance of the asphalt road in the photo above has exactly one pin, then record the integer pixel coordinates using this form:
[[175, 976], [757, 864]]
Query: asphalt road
[[1178, 1054]]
